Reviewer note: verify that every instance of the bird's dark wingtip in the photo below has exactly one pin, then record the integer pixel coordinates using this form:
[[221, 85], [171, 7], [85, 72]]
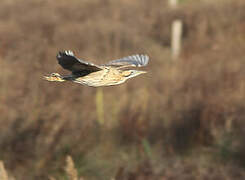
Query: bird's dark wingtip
[[64, 53]]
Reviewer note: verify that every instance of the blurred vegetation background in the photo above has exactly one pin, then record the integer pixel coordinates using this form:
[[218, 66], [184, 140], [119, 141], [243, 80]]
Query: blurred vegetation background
[[184, 119]]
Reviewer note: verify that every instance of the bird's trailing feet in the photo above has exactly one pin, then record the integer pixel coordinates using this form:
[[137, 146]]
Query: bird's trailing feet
[[54, 77]]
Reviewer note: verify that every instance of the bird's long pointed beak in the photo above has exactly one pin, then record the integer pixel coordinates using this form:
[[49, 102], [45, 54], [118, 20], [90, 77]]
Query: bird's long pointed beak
[[142, 72], [137, 73]]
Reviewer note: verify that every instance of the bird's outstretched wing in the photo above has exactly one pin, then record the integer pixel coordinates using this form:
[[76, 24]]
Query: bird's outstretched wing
[[133, 61], [68, 61]]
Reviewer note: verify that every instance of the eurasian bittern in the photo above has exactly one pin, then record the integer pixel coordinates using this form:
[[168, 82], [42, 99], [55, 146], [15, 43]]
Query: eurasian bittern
[[93, 75]]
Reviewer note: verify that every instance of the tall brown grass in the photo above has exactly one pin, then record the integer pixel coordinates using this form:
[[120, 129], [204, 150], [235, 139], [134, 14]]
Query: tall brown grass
[[182, 120]]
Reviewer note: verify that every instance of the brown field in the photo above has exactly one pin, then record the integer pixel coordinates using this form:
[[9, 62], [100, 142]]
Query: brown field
[[184, 119]]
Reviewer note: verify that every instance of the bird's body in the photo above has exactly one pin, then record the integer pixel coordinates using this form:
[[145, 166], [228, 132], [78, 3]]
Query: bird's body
[[93, 75], [109, 76]]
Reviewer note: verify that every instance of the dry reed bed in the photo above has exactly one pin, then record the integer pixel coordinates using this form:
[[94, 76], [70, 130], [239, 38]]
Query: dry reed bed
[[194, 105]]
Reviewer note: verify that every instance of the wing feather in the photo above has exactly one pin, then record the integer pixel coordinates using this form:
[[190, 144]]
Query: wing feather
[[68, 61], [134, 60]]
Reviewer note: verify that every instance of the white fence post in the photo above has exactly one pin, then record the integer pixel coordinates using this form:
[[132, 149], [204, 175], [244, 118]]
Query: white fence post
[[173, 3], [176, 34]]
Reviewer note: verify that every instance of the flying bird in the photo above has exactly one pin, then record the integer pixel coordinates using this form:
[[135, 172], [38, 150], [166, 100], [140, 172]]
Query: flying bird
[[113, 73]]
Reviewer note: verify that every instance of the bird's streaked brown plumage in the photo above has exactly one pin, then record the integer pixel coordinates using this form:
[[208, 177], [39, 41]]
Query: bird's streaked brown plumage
[[112, 73]]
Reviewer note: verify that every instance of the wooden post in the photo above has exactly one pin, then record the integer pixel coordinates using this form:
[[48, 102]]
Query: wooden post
[[176, 34], [100, 106], [173, 3], [176, 38]]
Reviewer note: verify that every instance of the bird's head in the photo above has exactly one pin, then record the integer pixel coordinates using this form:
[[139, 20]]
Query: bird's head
[[132, 73], [54, 77]]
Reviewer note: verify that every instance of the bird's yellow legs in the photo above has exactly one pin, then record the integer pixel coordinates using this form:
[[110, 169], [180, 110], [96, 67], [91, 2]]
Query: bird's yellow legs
[[54, 77]]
